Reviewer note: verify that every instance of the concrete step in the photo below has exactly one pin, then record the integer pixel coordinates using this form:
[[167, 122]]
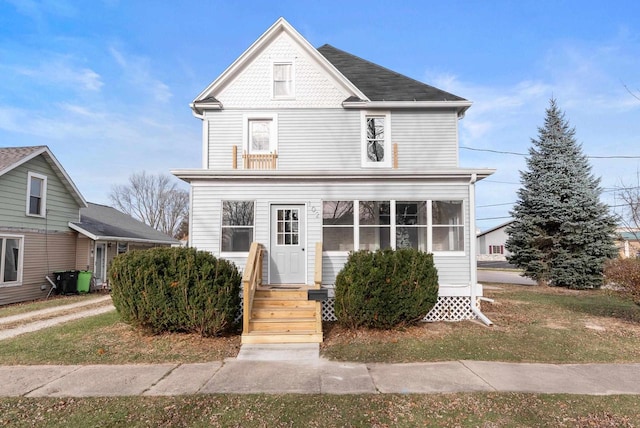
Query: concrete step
[[297, 337]]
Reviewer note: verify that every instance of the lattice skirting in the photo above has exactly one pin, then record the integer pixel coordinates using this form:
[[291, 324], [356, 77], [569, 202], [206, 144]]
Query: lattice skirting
[[448, 308]]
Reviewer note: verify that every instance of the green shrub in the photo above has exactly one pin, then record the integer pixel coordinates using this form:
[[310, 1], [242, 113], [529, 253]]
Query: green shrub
[[386, 289], [176, 290], [625, 275]]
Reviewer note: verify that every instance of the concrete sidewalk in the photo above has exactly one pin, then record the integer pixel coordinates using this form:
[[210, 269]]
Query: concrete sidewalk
[[316, 377]]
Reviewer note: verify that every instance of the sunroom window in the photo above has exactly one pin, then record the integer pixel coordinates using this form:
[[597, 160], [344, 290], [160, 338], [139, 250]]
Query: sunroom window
[[375, 225], [448, 225], [337, 225], [411, 225]]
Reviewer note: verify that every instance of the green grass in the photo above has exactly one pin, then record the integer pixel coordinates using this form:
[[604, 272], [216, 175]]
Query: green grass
[[54, 301], [532, 324], [104, 339], [464, 410]]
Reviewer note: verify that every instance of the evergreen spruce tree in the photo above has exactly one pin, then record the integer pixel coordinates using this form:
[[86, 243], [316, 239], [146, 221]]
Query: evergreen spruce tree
[[562, 234]]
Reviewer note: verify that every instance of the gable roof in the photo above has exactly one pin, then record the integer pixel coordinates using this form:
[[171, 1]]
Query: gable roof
[[370, 85], [13, 157], [379, 83], [493, 229], [100, 222], [207, 97]]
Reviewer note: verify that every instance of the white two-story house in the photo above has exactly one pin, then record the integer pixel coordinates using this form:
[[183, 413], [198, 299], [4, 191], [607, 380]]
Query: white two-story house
[[303, 146]]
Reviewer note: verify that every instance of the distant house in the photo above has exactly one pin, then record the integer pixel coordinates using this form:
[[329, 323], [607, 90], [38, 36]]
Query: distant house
[[46, 226], [309, 154], [628, 243], [491, 243], [38, 200], [104, 232]]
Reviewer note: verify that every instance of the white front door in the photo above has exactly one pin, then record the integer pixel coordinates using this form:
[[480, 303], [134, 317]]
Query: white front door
[[287, 247]]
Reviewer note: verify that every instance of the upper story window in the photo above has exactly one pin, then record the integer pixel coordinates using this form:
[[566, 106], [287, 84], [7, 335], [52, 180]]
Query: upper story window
[[10, 260], [283, 80], [36, 194], [376, 140], [261, 133], [237, 226]]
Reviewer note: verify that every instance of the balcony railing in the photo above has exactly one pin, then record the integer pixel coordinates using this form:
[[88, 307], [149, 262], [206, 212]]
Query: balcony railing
[[270, 160]]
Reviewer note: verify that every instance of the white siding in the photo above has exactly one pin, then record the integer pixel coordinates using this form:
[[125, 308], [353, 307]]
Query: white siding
[[452, 269], [426, 139], [330, 139]]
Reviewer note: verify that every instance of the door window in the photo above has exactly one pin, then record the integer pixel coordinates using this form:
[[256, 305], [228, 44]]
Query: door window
[[288, 226]]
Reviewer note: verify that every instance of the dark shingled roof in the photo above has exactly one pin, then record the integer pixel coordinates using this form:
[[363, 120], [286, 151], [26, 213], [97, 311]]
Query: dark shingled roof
[[379, 83], [107, 222]]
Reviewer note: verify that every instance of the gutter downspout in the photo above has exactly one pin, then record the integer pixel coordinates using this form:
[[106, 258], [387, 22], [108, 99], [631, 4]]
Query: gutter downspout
[[472, 252]]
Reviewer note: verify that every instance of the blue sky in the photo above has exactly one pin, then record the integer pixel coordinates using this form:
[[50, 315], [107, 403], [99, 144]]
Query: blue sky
[[106, 84]]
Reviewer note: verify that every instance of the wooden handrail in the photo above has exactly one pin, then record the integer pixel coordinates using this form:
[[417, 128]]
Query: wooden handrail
[[251, 279], [259, 161], [317, 277]]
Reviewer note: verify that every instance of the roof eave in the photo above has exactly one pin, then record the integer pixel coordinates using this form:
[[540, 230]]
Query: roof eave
[[203, 174], [460, 106], [95, 237]]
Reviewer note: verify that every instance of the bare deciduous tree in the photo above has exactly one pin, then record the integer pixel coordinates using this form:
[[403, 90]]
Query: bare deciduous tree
[[154, 200], [630, 197]]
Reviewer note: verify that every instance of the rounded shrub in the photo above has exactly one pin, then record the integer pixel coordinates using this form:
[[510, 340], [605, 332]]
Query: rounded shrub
[[386, 288], [176, 290], [624, 275]]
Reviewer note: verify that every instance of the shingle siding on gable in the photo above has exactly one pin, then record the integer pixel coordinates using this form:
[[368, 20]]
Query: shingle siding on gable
[[253, 88], [61, 207]]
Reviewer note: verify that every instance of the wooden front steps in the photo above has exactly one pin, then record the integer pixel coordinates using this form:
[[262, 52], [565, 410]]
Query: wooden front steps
[[284, 315]]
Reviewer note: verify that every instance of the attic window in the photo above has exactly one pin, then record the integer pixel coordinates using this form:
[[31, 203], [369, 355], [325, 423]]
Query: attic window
[[36, 194], [282, 80]]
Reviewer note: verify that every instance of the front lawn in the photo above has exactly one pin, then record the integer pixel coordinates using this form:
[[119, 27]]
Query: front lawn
[[532, 324]]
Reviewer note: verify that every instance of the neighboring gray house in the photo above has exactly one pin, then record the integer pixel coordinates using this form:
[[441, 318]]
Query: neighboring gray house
[[37, 201], [304, 146], [104, 232], [491, 243]]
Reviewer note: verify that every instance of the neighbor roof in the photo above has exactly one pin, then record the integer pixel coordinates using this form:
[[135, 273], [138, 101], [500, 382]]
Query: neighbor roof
[[379, 83], [100, 222], [13, 157]]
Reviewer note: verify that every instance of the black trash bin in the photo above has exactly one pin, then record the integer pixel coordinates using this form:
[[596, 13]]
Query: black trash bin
[[67, 281]]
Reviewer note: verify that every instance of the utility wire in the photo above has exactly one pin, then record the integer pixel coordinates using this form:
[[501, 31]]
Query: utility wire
[[502, 152]]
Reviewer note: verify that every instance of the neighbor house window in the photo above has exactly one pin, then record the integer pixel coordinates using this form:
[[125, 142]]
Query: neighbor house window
[[337, 225], [376, 140], [282, 80], [411, 225], [10, 260], [260, 134], [496, 249], [237, 225], [447, 225], [36, 194], [375, 225]]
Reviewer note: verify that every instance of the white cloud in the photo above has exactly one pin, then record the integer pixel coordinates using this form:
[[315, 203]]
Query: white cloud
[[136, 71], [61, 71]]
